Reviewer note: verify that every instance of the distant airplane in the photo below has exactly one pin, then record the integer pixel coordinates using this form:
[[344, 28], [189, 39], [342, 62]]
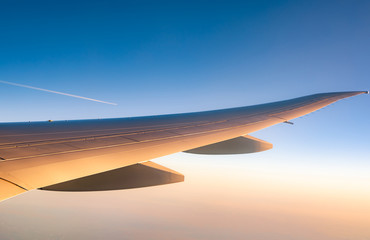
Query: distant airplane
[[111, 154]]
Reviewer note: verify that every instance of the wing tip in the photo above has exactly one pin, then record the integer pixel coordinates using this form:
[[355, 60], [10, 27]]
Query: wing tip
[[348, 94], [361, 92]]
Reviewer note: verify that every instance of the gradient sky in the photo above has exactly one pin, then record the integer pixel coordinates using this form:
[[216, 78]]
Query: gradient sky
[[157, 57]]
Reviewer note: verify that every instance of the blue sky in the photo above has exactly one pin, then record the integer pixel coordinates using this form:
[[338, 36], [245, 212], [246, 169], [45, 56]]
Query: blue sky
[[157, 57], [177, 56]]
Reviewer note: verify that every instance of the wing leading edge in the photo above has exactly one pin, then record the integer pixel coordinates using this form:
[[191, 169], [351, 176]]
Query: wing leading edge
[[40, 154]]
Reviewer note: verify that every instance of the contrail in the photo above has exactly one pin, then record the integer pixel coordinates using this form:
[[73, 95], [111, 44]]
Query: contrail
[[51, 91]]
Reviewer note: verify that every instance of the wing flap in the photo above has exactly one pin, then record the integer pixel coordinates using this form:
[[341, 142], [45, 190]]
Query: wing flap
[[135, 176]]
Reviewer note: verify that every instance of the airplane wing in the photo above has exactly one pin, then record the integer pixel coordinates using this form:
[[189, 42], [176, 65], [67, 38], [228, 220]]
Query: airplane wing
[[108, 154]]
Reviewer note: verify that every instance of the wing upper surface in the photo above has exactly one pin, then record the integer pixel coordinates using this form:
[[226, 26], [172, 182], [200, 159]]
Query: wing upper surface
[[39, 154]]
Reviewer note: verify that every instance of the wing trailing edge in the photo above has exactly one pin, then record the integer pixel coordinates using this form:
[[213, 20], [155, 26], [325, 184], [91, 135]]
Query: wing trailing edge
[[135, 176], [9, 189]]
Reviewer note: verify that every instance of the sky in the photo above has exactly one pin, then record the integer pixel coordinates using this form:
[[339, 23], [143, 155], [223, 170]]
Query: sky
[[159, 57]]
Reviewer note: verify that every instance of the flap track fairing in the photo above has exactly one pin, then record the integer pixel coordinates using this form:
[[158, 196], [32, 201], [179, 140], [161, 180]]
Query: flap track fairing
[[239, 145], [134, 176]]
